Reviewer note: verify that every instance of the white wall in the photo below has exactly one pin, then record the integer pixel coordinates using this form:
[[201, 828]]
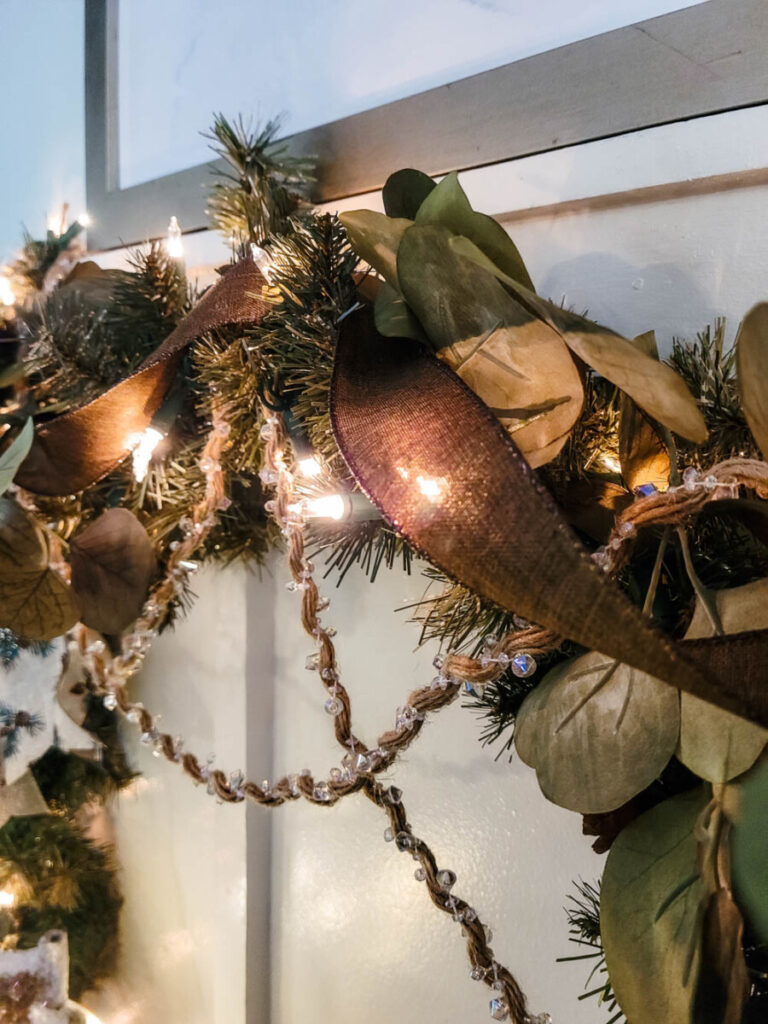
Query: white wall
[[41, 115]]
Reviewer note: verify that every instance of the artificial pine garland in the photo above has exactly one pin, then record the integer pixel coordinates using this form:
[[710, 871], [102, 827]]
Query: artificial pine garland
[[595, 448]]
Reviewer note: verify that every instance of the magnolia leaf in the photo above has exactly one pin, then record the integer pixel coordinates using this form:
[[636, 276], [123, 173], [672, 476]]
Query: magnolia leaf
[[405, 191], [716, 744], [724, 984], [514, 362], [643, 455], [393, 317], [113, 563], [749, 848], [654, 386], [651, 912], [448, 206], [375, 238], [15, 454], [597, 732], [35, 602], [752, 372]]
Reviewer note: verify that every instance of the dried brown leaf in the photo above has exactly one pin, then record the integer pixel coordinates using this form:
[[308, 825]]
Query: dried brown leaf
[[113, 563]]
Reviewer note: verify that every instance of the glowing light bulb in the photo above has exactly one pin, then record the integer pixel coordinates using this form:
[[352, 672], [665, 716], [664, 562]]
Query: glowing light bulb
[[431, 489], [143, 446], [84, 220], [53, 223], [7, 298], [329, 506], [310, 466], [7, 899], [263, 260], [612, 464], [174, 245]]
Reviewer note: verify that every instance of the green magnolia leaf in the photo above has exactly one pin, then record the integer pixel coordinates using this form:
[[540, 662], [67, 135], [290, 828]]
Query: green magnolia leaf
[[35, 602], [643, 456], [597, 732], [651, 910], [716, 744], [393, 317], [15, 454], [654, 386], [517, 364], [405, 191], [375, 238], [749, 848], [752, 372], [448, 206], [113, 563]]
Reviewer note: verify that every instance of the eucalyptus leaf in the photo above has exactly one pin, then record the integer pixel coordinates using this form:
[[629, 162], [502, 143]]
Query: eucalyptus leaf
[[14, 455], [643, 456], [405, 191], [375, 238], [393, 317], [654, 386], [752, 372], [724, 983], [651, 909], [716, 744], [113, 563], [597, 732], [35, 602], [517, 364], [749, 848], [448, 206]]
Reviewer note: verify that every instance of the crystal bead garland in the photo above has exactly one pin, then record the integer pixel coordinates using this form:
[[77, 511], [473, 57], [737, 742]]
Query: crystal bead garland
[[358, 765]]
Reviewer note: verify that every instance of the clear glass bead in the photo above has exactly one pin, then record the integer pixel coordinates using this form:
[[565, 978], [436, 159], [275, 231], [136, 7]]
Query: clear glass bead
[[474, 689], [523, 665], [477, 974], [419, 874], [487, 933], [266, 431], [389, 835], [312, 662], [134, 715], [110, 701], [470, 914], [147, 738], [403, 841], [322, 792], [333, 706], [520, 623], [627, 529], [540, 1018], [690, 478], [499, 1009], [446, 879], [97, 647], [710, 482]]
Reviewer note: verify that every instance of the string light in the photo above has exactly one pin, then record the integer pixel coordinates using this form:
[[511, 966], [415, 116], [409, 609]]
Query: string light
[[143, 446], [7, 899], [53, 224], [353, 507], [174, 245], [7, 298], [263, 260], [84, 220], [310, 466]]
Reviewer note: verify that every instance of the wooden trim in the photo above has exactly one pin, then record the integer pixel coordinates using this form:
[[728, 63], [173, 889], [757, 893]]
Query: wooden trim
[[702, 60]]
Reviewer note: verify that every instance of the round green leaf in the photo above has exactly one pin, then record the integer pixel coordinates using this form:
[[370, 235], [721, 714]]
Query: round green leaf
[[375, 238], [597, 732], [716, 744], [651, 911], [749, 848], [405, 191]]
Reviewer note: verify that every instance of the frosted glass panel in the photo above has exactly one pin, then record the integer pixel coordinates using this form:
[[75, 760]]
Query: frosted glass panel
[[317, 60]]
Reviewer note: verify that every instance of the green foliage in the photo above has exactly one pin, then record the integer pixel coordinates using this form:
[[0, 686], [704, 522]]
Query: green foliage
[[262, 186], [68, 781], [62, 880], [583, 913], [38, 256]]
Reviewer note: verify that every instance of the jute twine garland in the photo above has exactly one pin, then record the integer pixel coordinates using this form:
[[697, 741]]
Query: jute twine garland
[[671, 507]]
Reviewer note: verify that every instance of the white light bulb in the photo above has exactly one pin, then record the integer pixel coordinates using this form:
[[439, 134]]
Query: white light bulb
[[310, 466], [54, 224], [84, 220], [143, 446], [7, 298], [174, 245], [7, 899], [329, 506], [263, 260]]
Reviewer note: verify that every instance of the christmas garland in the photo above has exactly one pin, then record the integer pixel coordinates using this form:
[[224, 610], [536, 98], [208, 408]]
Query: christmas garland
[[595, 488]]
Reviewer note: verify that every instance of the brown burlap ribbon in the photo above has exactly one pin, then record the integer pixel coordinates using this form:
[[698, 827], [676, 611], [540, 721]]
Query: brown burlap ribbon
[[447, 476], [77, 449]]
